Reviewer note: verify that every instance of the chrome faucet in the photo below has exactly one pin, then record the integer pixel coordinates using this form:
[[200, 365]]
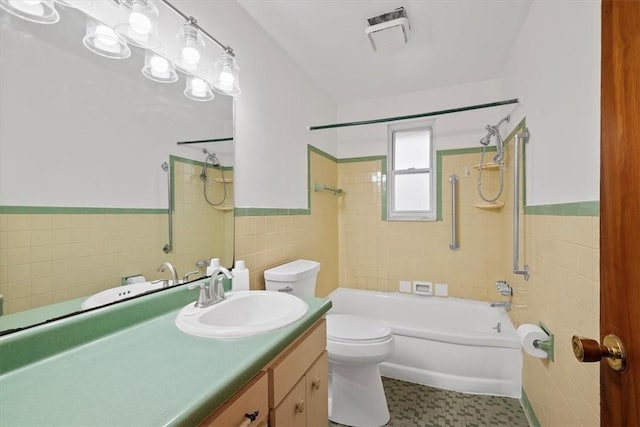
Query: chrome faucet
[[185, 278], [216, 283], [212, 292], [503, 304], [172, 270]]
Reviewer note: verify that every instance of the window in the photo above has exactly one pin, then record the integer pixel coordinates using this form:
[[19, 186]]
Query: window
[[411, 174]]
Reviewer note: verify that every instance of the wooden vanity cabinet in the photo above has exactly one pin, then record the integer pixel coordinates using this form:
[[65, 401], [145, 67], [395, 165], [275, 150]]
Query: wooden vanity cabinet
[[290, 391], [298, 382], [249, 402]]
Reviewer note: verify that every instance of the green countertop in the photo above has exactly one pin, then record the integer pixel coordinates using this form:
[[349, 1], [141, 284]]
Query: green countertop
[[112, 367]]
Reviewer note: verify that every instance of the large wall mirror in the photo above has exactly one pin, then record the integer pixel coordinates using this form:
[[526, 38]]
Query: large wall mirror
[[83, 195]]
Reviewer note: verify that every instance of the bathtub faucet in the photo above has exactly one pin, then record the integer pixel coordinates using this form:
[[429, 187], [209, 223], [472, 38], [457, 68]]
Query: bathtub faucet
[[504, 304]]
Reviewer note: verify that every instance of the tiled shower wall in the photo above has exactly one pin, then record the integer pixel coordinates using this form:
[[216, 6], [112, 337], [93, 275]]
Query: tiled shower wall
[[52, 257], [563, 293], [376, 254]]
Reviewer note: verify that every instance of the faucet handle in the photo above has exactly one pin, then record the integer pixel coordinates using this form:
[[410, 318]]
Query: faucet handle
[[203, 296]]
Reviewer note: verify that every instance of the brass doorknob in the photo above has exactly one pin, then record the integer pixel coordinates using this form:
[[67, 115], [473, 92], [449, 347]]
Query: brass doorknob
[[588, 350]]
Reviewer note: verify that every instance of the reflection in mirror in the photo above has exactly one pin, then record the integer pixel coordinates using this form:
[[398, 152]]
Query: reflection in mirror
[[83, 197]]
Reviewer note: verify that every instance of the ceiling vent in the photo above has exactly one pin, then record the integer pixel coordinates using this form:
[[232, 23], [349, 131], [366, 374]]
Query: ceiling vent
[[389, 30]]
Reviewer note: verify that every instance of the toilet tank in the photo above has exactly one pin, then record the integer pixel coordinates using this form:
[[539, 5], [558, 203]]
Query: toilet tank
[[297, 277]]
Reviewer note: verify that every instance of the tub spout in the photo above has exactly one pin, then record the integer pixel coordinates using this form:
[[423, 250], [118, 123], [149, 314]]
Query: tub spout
[[504, 304]]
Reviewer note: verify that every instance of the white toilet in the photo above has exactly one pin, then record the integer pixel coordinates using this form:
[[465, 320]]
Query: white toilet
[[355, 344]]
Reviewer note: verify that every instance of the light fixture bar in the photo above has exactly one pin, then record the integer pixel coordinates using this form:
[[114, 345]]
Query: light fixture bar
[[193, 22]]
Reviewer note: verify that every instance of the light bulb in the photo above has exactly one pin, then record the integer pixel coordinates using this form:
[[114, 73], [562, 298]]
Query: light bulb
[[32, 7], [140, 23], [106, 35], [226, 79], [190, 55], [159, 66], [198, 87]]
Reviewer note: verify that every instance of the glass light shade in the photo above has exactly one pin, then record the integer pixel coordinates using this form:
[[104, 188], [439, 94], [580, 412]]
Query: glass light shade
[[158, 68], [141, 28], [102, 40], [76, 4], [198, 89], [192, 46], [226, 75], [38, 11]]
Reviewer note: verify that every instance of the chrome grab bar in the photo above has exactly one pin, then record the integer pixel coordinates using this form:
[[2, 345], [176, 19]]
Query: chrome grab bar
[[524, 135], [169, 246], [453, 244]]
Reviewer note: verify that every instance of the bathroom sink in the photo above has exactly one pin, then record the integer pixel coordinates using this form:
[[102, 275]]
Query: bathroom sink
[[242, 314], [121, 292]]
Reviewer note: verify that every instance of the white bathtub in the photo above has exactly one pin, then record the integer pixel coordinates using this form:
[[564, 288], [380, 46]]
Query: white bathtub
[[449, 343]]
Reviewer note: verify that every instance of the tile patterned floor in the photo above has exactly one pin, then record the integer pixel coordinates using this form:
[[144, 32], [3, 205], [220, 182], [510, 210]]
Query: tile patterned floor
[[421, 406]]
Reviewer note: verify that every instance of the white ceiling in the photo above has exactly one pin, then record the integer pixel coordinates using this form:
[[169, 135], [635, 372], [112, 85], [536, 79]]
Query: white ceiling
[[451, 42]]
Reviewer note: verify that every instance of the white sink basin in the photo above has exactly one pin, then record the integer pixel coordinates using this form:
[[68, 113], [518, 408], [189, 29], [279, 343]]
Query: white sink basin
[[121, 292], [242, 314]]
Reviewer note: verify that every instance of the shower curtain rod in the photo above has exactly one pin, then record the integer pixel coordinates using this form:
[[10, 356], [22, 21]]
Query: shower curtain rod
[[204, 140], [415, 116]]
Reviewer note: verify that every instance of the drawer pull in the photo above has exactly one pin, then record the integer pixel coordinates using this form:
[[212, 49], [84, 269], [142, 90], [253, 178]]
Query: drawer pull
[[249, 418], [300, 406], [315, 384]]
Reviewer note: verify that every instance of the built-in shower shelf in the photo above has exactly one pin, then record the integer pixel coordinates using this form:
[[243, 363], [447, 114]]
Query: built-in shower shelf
[[220, 180], [498, 204], [488, 166], [224, 208]]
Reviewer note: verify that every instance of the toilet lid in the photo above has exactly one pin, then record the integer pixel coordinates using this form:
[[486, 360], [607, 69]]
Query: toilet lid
[[356, 328]]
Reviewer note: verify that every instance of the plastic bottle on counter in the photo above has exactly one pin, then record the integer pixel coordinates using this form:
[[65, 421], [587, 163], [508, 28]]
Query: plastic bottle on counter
[[240, 273], [213, 264]]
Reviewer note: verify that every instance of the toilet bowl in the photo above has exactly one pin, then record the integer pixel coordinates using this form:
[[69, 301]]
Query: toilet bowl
[[356, 345]]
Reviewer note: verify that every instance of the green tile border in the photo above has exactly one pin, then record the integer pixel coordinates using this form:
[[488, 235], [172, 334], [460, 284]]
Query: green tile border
[[80, 210], [312, 149], [591, 208], [528, 410], [270, 211], [38, 210], [363, 159]]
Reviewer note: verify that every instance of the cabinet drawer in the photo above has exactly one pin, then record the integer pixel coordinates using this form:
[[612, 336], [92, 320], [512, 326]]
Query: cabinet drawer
[[292, 410], [286, 370], [249, 399]]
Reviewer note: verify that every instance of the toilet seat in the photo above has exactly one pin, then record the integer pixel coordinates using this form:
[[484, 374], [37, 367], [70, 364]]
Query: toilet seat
[[348, 328]]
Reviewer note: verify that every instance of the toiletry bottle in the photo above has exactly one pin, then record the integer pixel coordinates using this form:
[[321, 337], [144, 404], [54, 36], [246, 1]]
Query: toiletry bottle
[[213, 264], [240, 274]]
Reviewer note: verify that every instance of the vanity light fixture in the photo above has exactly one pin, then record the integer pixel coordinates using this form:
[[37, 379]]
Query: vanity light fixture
[[226, 75], [38, 11], [141, 27], [158, 68], [198, 89], [192, 45], [104, 41]]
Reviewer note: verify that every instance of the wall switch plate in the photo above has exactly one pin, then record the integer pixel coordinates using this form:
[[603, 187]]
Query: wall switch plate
[[422, 288], [404, 286], [442, 289]]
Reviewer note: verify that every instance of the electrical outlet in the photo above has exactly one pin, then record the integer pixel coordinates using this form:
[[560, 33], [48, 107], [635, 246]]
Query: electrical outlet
[[404, 286], [422, 288], [442, 289]]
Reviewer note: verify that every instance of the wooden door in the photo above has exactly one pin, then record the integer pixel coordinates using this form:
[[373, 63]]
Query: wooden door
[[620, 207]]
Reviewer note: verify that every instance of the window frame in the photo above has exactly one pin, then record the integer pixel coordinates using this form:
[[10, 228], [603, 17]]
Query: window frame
[[422, 215]]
